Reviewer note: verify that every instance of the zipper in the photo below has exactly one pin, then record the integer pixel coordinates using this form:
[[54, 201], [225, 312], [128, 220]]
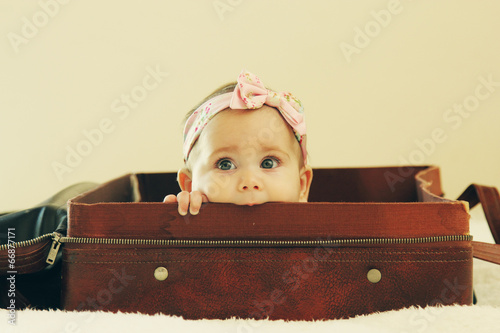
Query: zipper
[[54, 248], [58, 240], [29, 242]]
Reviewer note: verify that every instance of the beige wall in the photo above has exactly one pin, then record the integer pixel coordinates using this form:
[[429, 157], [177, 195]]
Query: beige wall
[[384, 96]]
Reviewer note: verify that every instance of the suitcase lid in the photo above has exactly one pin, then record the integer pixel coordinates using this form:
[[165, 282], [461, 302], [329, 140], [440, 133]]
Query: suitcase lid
[[382, 202]]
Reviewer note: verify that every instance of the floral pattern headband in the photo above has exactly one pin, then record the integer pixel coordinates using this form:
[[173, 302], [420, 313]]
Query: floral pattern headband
[[249, 93]]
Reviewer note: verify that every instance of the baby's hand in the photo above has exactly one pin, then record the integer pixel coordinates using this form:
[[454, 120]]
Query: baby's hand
[[185, 199]]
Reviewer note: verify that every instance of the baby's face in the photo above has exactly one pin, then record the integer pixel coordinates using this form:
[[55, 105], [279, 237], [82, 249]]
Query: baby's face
[[248, 157]]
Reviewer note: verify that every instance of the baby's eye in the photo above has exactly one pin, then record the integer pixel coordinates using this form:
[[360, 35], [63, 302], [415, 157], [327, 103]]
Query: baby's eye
[[269, 163], [225, 164]]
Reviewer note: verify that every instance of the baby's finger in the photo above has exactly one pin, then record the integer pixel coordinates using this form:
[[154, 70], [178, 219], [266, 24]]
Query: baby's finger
[[195, 204], [170, 198], [204, 198], [183, 200]]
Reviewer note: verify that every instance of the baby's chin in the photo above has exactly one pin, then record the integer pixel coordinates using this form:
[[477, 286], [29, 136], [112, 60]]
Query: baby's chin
[[241, 201], [248, 203], [251, 202], [252, 199]]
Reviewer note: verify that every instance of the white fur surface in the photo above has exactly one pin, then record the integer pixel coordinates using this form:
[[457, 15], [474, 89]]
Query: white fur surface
[[476, 318], [483, 317]]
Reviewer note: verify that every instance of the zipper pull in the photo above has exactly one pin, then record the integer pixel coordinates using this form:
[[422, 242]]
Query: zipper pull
[[54, 249]]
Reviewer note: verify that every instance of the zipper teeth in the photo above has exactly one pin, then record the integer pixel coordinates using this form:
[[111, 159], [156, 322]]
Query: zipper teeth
[[179, 242], [176, 242], [28, 242]]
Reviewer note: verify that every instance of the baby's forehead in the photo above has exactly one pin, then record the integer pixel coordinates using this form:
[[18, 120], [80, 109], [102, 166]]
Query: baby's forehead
[[265, 115], [263, 128], [263, 123]]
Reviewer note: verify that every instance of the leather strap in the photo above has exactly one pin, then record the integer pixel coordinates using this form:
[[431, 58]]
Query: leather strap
[[485, 251], [490, 201]]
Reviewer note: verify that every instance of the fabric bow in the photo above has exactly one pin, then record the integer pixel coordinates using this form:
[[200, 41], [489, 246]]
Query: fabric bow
[[249, 93]]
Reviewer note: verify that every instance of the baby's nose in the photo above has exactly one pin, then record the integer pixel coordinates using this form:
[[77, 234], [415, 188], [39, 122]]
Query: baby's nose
[[250, 182], [255, 187]]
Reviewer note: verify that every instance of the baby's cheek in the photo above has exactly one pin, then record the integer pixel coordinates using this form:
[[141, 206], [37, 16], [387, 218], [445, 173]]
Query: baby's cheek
[[214, 186], [293, 190]]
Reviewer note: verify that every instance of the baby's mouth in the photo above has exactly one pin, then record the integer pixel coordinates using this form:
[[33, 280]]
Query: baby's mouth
[[252, 199], [251, 203]]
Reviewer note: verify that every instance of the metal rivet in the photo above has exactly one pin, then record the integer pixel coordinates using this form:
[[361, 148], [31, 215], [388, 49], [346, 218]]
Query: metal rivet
[[161, 273], [374, 275]]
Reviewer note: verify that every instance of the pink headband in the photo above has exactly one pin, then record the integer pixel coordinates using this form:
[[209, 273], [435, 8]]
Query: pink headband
[[249, 93]]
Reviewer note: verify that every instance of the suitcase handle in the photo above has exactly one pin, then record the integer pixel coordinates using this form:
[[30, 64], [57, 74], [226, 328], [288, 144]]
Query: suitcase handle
[[490, 201]]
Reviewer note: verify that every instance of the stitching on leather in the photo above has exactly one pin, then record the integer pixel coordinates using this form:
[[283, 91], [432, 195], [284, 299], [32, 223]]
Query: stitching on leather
[[41, 258], [18, 267], [21, 258], [40, 253], [234, 260], [259, 252]]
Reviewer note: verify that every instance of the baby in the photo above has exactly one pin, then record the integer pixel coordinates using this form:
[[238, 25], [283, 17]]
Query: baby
[[245, 145]]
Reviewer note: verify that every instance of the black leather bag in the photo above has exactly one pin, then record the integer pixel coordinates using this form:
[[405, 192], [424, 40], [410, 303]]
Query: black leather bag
[[37, 284]]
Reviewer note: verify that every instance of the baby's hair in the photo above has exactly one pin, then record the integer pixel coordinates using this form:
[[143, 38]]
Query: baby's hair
[[227, 88]]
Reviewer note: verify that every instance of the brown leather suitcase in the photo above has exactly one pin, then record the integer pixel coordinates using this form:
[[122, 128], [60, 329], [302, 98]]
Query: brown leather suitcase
[[369, 239]]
